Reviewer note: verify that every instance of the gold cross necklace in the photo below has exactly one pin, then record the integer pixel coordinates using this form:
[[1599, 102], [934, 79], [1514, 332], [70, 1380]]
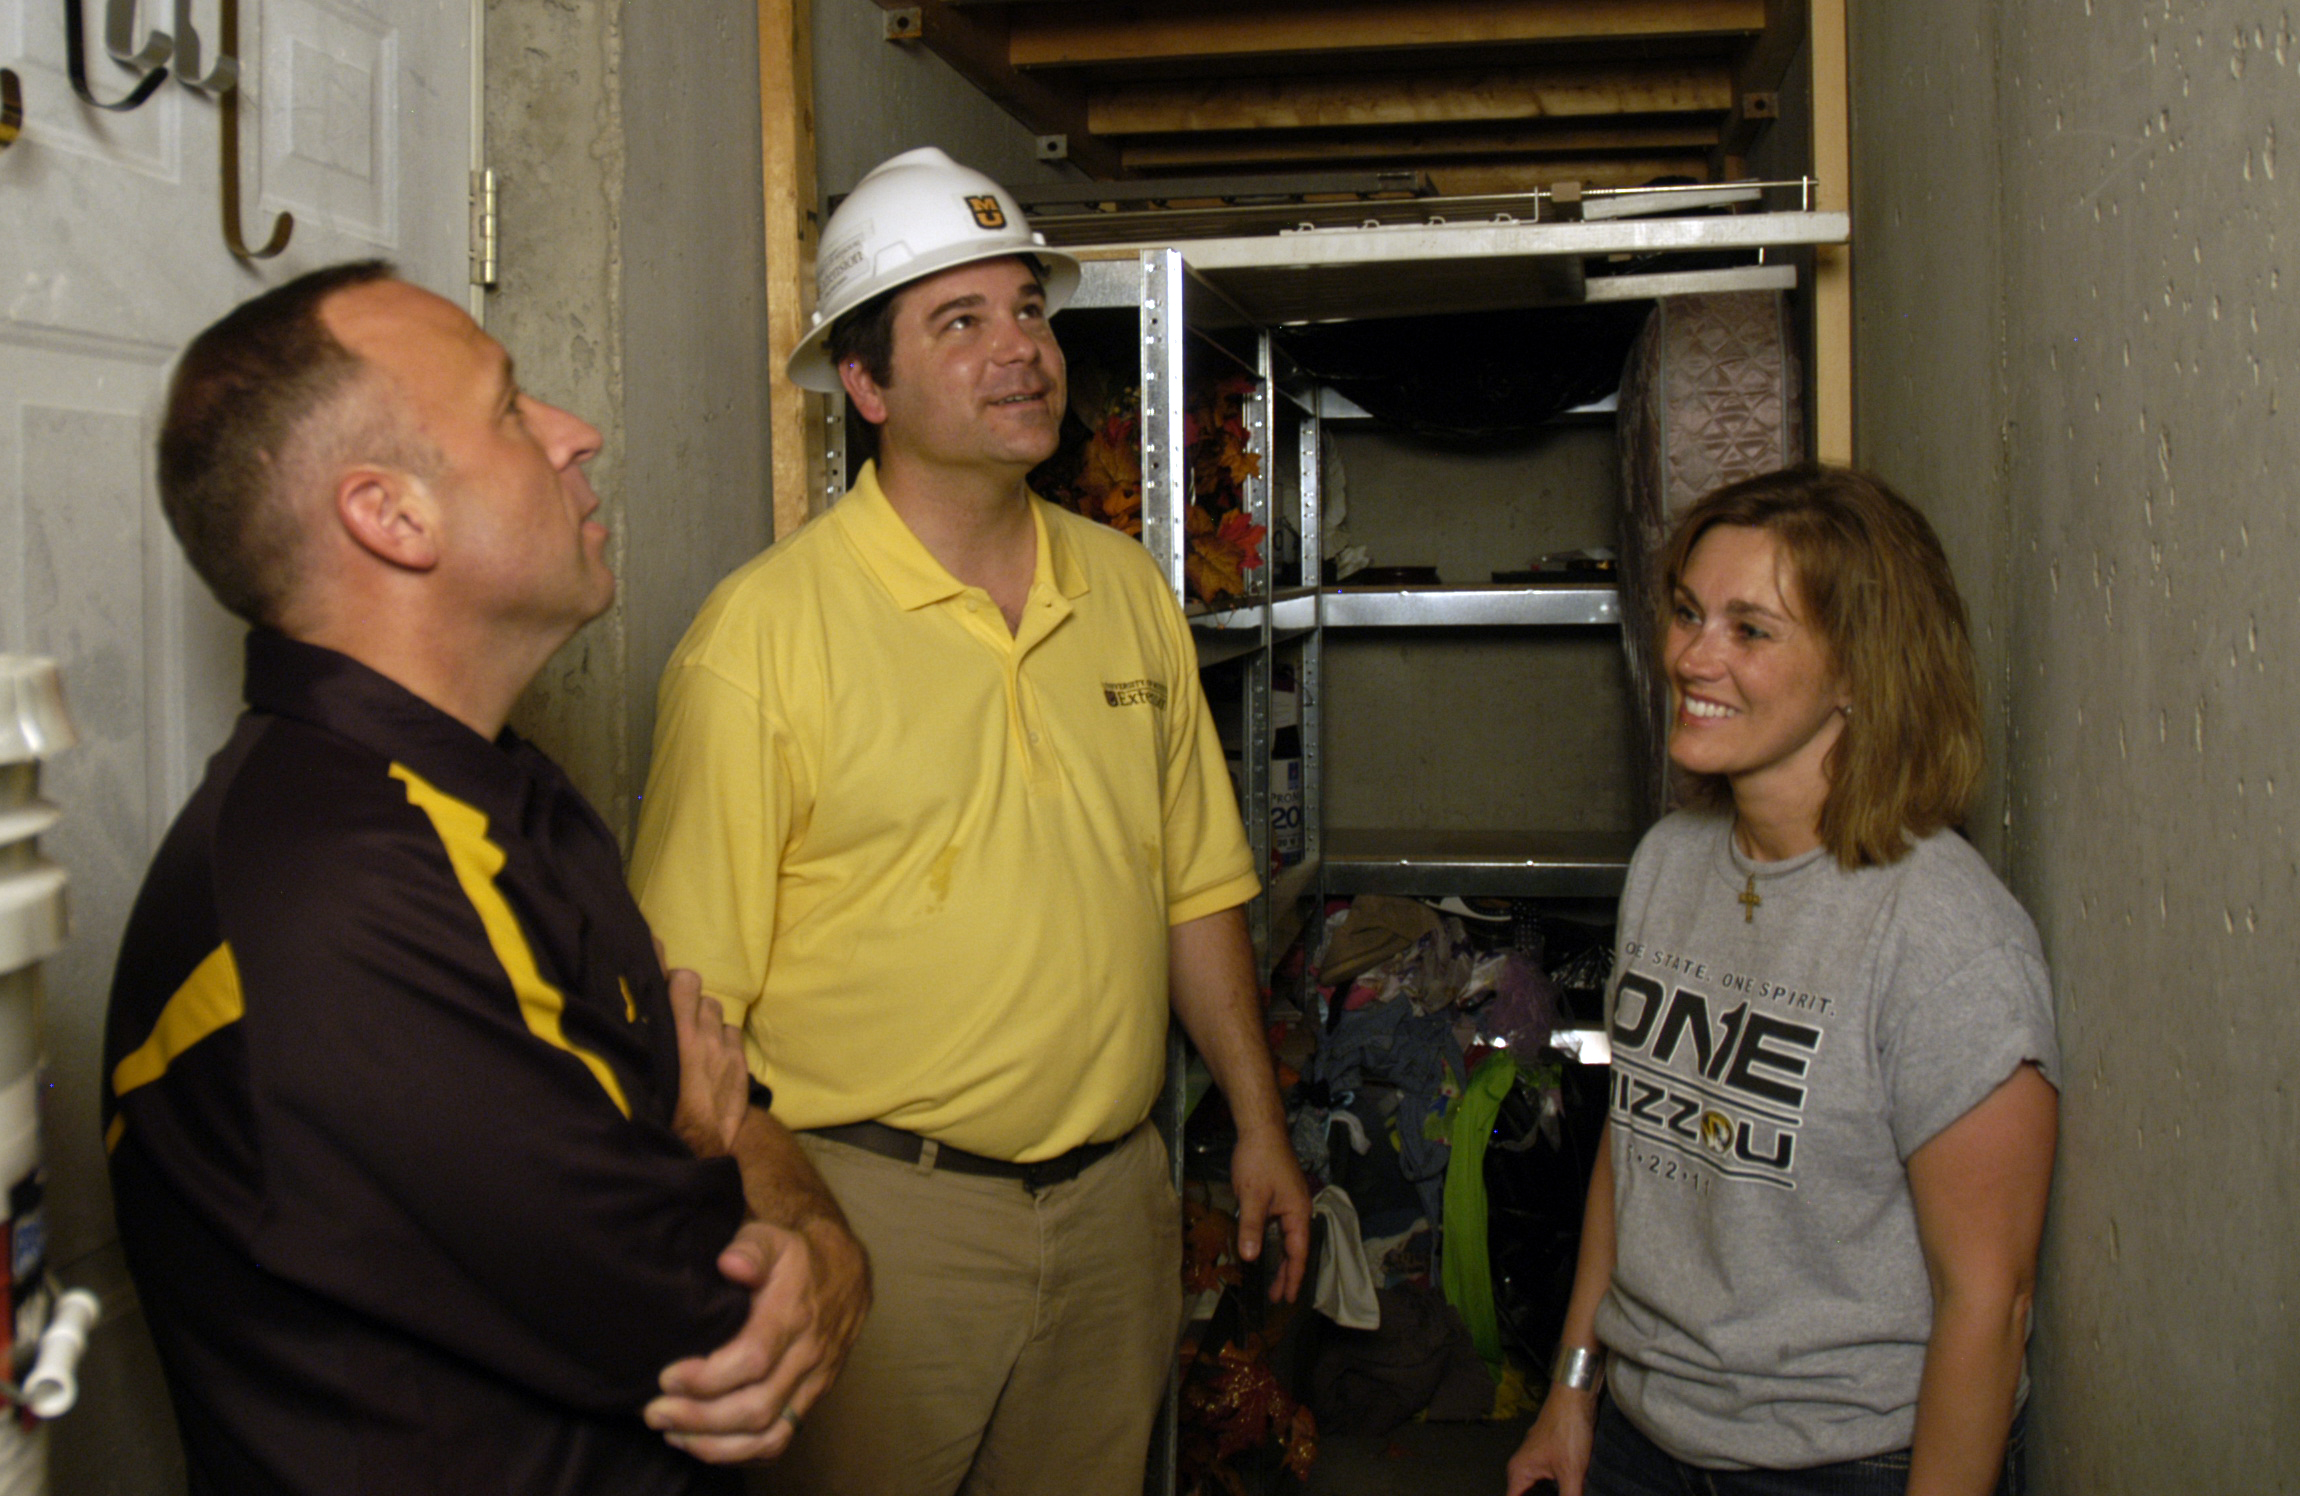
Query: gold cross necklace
[[1749, 897]]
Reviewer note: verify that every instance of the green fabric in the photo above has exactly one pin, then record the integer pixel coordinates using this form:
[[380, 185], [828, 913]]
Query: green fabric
[[1468, 1270]]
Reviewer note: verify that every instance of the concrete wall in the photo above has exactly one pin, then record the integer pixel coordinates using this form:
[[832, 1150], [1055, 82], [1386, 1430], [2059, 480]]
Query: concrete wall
[[1928, 334], [2073, 338], [875, 98], [633, 292]]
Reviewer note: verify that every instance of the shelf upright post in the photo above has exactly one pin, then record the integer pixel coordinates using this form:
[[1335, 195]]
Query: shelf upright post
[[1165, 473], [1259, 417], [1165, 493], [1310, 442], [834, 409]]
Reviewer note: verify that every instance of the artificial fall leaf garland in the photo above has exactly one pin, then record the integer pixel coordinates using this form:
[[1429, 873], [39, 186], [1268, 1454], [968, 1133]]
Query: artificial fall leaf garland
[[1234, 1406], [1235, 1414], [1101, 478]]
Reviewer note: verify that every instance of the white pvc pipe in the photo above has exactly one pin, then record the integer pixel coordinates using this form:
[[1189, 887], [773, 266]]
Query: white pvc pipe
[[54, 1384]]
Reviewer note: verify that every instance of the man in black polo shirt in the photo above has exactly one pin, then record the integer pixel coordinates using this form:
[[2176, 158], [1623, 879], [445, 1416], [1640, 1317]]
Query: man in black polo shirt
[[429, 1180]]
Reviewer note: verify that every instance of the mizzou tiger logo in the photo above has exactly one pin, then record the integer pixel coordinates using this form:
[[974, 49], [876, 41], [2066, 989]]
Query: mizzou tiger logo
[[987, 212]]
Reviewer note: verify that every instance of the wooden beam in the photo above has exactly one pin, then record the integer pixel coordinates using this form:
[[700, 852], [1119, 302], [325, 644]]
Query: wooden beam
[[787, 159], [1761, 70], [973, 40], [1410, 99], [1076, 35], [1536, 138], [1832, 263], [1495, 180]]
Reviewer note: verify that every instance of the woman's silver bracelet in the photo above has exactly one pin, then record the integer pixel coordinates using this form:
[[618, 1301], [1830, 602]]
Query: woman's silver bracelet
[[1577, 1367]]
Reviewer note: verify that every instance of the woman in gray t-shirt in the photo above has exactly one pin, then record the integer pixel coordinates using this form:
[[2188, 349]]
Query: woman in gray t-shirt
[[1810, 1246]]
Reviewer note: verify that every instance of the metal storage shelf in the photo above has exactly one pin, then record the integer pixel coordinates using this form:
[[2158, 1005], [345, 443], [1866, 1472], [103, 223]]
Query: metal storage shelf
[[1420, 270], [1233, 633], [1533, 604], [1226, 295], [1489, 864], [1294, 612]]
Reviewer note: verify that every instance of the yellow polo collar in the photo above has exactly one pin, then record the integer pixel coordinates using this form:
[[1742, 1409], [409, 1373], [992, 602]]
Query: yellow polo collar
[[907, 569]]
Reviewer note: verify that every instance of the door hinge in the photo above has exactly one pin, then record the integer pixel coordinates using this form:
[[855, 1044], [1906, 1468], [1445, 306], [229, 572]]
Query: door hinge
[[483, 228]]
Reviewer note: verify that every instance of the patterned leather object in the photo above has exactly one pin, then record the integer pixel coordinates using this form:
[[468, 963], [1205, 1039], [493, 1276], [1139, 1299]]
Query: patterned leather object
[[1712, 393]]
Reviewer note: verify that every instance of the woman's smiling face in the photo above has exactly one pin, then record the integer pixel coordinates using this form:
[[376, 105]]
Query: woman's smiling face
[[1759, 701]]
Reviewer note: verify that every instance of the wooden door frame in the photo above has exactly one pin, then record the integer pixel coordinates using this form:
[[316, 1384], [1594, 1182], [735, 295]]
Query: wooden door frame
[[793, 226]]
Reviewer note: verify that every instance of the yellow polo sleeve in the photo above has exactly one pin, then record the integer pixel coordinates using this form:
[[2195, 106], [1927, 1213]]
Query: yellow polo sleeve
[[721, 800]]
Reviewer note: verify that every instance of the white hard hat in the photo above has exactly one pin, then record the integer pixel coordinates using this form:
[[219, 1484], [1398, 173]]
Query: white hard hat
[[914, 215]]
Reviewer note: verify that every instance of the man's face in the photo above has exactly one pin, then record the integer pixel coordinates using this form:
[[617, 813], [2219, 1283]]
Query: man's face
[[514, 506], [977, 376]]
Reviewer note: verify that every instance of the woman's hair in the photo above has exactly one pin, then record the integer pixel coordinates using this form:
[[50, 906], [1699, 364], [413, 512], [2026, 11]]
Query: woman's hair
[[1870, 576]]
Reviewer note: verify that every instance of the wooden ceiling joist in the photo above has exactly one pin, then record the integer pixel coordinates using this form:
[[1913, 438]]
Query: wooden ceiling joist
[[1100, 34], [1271, 148], [1408, 99], [1150, 88]]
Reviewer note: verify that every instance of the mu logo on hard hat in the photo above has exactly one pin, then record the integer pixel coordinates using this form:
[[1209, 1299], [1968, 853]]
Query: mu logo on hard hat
[[987, 212]]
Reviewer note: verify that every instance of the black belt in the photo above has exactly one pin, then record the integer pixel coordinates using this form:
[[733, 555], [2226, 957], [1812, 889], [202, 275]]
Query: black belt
[[908, 1147]]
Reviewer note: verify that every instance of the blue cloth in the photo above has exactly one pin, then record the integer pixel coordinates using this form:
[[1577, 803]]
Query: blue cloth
[[1415, 1052]]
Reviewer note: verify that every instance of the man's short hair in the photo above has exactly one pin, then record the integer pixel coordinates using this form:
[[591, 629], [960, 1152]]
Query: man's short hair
[[865, 336], [238, 433]]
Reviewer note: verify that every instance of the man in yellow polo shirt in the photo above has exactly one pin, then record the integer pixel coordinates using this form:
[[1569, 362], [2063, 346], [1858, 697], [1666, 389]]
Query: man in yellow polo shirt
[[937, 810]]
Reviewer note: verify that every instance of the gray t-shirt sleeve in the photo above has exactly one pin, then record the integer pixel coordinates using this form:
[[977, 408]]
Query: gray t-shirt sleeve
[[1949, 1034]]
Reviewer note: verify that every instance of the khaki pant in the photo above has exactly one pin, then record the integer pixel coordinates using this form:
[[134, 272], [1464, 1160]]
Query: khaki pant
[[1017, 1343]]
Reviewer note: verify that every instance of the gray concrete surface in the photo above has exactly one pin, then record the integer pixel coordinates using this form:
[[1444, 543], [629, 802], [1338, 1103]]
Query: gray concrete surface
[[635, 296], [2073, 335], [874, 98], [555, 137]]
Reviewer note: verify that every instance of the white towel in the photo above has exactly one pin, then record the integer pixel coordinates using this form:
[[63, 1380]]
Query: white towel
[[1345, 1288]]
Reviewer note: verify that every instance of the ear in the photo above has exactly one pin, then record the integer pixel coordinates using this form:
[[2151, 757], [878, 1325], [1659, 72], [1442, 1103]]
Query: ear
[[863, 391], [391, 515]]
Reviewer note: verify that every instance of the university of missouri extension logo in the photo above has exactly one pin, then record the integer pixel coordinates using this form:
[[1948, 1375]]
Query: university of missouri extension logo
[[1135, 693], [987, 212], [1726, 1090]]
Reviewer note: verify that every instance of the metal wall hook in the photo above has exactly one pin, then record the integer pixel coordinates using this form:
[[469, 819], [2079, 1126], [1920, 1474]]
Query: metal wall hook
[[76, 56], [11, 108], [228, 107], [187, 48], [120, 38]]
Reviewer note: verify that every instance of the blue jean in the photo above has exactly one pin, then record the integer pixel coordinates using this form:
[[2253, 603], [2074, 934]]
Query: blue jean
[[1623, 1462]]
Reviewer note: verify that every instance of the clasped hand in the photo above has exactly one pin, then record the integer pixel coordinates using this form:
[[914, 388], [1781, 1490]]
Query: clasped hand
[[809, 1280]]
